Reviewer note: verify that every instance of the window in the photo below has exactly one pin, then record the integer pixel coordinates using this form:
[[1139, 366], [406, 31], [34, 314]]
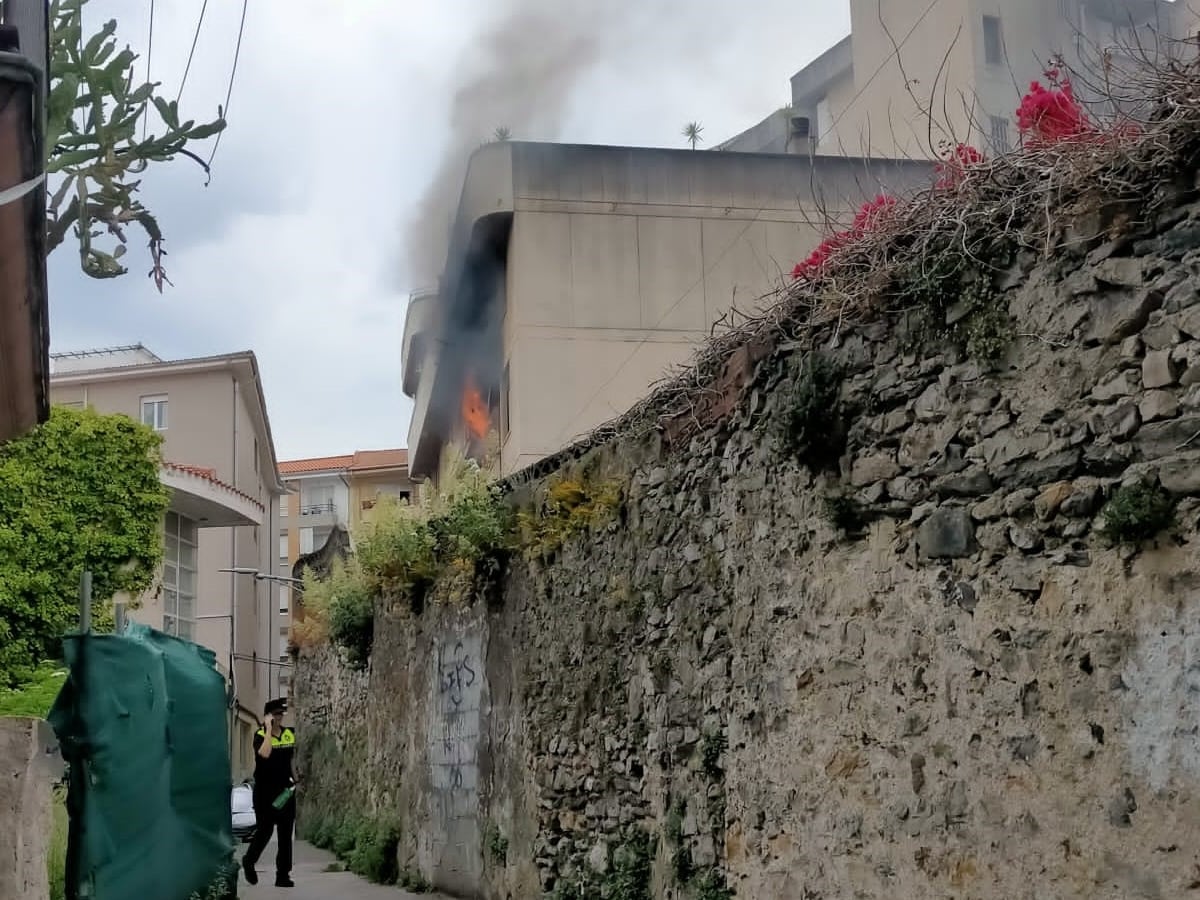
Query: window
[[179, 576], [154, 412], [993, 41], [999, 137], [284, 591], [306, 541], [283, 506], [71, 404], [283, 546]]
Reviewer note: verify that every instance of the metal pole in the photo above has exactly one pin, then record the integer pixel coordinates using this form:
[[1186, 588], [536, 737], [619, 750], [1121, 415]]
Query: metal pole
[[85, 603], [119, 617]]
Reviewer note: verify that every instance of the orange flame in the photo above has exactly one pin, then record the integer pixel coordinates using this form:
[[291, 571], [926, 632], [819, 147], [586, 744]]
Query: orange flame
[[475, 410]]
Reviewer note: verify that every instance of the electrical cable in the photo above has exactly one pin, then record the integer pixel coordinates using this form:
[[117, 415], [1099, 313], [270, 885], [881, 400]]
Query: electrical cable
[[237, 53], [149, 59], [192, 53]]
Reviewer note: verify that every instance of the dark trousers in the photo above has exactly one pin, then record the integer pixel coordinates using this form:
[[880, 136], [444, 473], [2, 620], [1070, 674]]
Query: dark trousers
[[267, 819]]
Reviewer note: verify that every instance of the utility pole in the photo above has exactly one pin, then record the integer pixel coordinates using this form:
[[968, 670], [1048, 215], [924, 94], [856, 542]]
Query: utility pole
[[24, 318]]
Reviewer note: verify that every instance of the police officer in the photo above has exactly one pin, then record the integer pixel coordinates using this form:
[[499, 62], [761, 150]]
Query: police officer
[[274, 794]]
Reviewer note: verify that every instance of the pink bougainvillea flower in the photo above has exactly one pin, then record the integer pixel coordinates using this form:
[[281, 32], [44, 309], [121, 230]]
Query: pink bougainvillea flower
[[1053, 114], [867, 218]]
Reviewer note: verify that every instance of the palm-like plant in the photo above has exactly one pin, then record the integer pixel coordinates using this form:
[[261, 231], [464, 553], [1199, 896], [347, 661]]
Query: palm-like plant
[[692, 132]]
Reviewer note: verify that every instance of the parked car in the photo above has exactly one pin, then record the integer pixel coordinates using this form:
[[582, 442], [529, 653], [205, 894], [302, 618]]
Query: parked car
[[242, 803]]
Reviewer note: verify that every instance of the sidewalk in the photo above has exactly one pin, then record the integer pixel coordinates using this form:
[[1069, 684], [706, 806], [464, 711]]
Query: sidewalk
[[314, 883]]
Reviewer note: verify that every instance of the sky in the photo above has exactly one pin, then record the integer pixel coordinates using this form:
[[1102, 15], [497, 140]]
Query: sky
[[341, 116]]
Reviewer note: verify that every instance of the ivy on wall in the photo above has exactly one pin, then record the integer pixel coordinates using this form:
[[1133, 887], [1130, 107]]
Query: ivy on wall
[[79, 492]]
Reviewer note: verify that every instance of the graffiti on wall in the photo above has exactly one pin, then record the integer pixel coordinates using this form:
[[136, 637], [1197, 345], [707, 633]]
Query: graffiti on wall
[[454, 756]]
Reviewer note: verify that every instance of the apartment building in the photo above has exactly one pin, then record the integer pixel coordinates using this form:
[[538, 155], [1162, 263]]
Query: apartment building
[[325, 493], [914, 77], [578, 276], [219, 462]]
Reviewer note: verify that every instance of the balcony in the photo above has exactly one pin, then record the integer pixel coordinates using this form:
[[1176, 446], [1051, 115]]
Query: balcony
[[319, 515]]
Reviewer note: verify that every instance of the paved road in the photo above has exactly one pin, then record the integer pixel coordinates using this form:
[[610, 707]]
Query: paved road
[[314, 883]]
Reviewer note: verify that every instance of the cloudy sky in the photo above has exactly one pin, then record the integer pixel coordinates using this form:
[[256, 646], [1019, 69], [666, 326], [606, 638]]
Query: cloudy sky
[[342, 113]]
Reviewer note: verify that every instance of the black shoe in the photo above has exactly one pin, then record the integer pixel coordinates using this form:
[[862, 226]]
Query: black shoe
[[284, 881], [248, 871]]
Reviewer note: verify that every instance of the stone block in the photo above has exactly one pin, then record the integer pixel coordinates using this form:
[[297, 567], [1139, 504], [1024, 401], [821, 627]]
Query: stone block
[[1156, 405], [947, 534], [1158, 370]]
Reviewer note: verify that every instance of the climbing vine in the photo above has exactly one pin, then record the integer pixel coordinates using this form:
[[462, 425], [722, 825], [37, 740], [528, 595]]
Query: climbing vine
[[78, 492]]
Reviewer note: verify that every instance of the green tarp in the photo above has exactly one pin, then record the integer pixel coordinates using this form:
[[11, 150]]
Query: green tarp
[[142, 722]]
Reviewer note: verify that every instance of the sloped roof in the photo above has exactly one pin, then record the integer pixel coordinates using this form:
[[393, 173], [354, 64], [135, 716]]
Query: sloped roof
[[359, 461]]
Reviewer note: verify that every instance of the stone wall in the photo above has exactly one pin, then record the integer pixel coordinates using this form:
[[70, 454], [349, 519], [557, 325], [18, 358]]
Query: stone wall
[[966, 691], [29, 767]]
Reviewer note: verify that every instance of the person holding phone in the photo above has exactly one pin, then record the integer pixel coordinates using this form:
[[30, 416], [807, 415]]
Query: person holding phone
[[274, 794]]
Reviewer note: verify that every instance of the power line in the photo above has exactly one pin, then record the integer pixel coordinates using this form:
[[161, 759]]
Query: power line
[[192, 52], [883, 65], [149, 59], [703, 275], [237, 53]]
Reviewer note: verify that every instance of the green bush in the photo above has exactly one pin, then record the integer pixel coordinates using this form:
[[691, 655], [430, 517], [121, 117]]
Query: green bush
[[352, 620], [397, 547], [345, 837], [374, 854], [80, 491], [1136, 513], [34, 698]]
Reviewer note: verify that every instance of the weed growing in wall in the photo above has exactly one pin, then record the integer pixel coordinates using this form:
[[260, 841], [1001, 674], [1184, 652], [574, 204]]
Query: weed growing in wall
[[628, 876], [812, 427], [681, 856], [1136, 513], [953, 302], [711, 886], [569, 506], [844, 513], [339, 608], [710, 755], [496, 844]]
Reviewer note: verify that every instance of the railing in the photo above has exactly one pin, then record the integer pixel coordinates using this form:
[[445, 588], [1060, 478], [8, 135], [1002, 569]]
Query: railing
[[318, 509]]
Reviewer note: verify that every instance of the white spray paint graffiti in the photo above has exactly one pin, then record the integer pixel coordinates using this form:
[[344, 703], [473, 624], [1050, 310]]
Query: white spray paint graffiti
[[454, 759], [1163, 678]]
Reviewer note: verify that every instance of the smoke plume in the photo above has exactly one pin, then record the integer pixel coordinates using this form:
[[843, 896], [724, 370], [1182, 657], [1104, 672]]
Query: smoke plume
[[520, 76]]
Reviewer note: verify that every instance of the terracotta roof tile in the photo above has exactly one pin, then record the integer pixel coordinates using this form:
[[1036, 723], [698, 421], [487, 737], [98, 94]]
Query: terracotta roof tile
[[361, 460], [380, 459], [209, 475], [315, 464]]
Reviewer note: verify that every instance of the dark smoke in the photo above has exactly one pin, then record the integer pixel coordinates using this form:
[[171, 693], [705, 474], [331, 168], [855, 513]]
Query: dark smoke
[[520, 76], [526, 69]]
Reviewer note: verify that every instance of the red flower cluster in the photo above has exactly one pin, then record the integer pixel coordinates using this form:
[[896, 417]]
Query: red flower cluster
[[1048, 115], [867, 217], [951, 171]]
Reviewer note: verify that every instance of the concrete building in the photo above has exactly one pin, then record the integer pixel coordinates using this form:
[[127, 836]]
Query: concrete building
[[913, 78], [578, 276], [219, 462], [327, 492]]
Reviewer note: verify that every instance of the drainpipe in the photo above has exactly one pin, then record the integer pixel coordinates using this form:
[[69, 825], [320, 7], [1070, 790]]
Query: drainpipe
[[233, 579]]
